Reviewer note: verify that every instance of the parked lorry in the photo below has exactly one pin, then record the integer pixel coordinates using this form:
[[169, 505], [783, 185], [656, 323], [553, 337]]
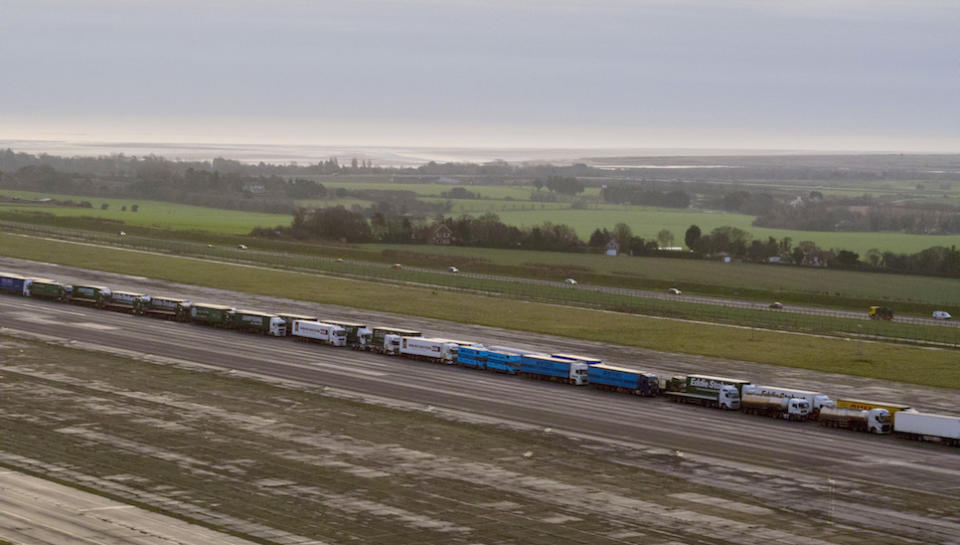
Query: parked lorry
[[924, 427], [43, 288], [308, 330], [503, 360], [621, 379], [867, 420], [14, 284], [719, 392], [474, 357], [169, 308], [574, 357], [815, 400], [212, 315], [788, 408], [121, 301], [892, 408], [261, 323], [435, 350], [378, 339], [87, 295], [358, 335], [290, 318], [550, 368]]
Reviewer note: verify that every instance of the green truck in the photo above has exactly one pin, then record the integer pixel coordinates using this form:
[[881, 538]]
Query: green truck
[[87, 295], [259, 322], [43, 288], [719, 392], [121, 301], [169, 308], [212, 315]]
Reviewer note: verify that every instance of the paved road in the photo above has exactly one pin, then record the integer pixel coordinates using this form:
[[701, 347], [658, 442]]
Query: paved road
[[39, 512], [888, 470]]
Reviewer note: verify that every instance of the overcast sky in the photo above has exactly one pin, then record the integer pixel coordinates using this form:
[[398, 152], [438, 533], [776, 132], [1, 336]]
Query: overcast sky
[[795, 74]]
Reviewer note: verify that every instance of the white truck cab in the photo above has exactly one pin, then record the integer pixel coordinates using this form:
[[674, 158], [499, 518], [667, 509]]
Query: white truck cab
[[729, 398]]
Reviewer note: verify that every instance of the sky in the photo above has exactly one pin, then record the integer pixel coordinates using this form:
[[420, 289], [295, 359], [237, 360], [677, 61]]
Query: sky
[[850, 75]]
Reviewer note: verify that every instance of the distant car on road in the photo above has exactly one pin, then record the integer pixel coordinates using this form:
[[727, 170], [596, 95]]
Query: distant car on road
[[397, 266], [453, 269], [339, 260], [777, 305], [242, 246], [674, 291], [941, 315], [570, 281]]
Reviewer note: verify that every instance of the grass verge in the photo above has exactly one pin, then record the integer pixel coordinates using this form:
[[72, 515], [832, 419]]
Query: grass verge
[[877, 360]]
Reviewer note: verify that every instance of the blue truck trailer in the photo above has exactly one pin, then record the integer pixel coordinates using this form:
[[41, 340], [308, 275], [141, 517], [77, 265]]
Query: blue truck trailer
[[621, 379], [550, 368], [589, 360], [13, 283], [474, 357], [503, 362]]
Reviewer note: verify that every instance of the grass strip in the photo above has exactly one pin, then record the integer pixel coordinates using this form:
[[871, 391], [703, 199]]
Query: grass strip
[[876, 360]]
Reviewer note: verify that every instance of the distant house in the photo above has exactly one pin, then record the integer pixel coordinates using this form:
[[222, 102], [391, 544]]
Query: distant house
[[254, 188], [613, 247], [440, 235], [817, 257], [797, 203]]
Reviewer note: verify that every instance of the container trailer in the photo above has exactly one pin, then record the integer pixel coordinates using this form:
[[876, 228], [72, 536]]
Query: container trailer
[[14, 284], [212, 315], [719, 392], [788, 408], [867, 420], [308, 330], [169, 308], [892, 408], [551, 368], [925, 427], [815, 400], [43, 288], [259, 322], [501, 361], [87, 295], [621, 379]]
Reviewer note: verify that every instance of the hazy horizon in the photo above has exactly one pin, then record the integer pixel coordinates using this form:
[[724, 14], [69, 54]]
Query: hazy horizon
[[848, 75]]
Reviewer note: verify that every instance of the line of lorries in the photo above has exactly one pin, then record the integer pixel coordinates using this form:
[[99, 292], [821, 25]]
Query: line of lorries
[[719, 392]]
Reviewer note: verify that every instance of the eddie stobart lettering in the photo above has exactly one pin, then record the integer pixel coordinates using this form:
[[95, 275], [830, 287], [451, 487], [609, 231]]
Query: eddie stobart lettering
[[707, 383]]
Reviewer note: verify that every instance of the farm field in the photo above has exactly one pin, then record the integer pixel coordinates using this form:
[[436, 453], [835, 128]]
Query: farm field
[[879, 360], [156, 214]]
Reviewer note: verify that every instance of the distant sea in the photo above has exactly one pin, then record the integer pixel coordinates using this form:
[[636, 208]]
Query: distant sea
[[379, 155]]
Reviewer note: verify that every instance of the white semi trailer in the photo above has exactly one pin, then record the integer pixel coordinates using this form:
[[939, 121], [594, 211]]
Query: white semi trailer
[[308, 330]]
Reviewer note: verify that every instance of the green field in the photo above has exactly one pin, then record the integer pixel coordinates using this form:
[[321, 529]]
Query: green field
[[879, 360], [156, 214]]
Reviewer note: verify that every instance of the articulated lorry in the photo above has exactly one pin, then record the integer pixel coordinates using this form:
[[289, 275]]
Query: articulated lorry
[[866, 420], [815, 400], [621, 379], [290, 318], [87, 295], [718, 392], [925, 427], [14, 284], [306, 330], [169, 308], [788, 408], [378, 339], [212, 315], [121, 301], [358, 335], [259, 322], [42, 288], [423, 348], [892, 408], [567, 371]]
